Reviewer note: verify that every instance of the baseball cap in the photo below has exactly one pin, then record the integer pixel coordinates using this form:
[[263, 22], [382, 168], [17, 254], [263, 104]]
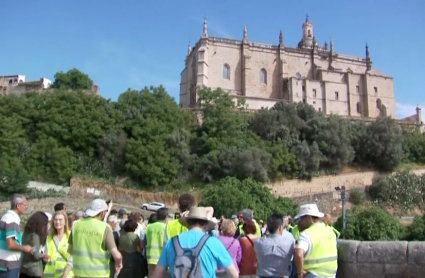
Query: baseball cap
[[79, 214], [96, 207]]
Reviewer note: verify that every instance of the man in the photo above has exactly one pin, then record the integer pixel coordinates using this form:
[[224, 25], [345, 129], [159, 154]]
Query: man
[[155, 239], [316, 254], [274, 252], [11, 238], [92, 243], [60, 206], [212, 254], [174, 227], [246, 215]]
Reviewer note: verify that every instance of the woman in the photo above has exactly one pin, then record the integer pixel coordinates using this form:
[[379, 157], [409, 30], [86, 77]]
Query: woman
[[329, 222], [57, 246], [248, 264], [228, 230], [35, 234], [130, 249]]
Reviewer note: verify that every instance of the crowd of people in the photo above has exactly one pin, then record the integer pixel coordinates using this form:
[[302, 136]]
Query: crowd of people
[[101, 242]]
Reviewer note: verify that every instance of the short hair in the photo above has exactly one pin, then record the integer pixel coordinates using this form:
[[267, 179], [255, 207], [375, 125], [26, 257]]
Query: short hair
[[16, 200], [130, 226], [162, 214], [228, 227], [274, 222], [247, 214], [186, 202], [249, 227], [113, 212], [59, 206]]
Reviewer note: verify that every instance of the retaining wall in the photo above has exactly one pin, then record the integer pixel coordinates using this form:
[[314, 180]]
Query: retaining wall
[[46, 186], [381, 259]]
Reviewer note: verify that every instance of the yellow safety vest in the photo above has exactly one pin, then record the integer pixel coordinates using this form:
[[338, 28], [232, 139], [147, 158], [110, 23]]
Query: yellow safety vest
[[323, 258], [154, 241], [296, 232], [257, 230], [174, 228], [89, 258], [58, 257]]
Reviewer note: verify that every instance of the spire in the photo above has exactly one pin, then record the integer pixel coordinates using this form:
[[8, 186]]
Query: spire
[[326, 46], [245, 35], [281, 38], [189, 49], [205, 31], [332, 50], [306, 17], [368, 60]]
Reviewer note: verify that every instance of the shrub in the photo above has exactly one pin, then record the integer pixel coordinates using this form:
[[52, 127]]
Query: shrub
[[370, 224], [357, 196]]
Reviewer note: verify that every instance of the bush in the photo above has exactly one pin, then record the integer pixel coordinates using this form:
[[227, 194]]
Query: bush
[[370, 224], [416, 230], [231, 195], [357, 196]]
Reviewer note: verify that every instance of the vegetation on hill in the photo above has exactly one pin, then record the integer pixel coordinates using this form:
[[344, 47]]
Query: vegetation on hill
[[145, 136]]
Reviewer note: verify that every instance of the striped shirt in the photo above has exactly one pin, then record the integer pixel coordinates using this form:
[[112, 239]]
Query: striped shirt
[[10, 228]]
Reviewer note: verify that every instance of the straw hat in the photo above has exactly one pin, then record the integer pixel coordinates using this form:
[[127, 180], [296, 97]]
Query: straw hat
[[198, 213]]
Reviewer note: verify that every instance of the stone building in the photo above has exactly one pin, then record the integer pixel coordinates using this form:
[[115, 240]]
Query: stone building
[[265, 74], [16, 85]]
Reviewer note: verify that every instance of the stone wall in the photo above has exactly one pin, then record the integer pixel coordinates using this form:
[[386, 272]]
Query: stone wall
[[380, 259], [325, 184], [89, 189], [46, 186]]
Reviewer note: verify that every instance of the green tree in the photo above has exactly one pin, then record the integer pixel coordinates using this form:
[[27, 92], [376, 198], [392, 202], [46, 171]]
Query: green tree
[[13, 176], [73, 79], [370, 224], [230, 195]]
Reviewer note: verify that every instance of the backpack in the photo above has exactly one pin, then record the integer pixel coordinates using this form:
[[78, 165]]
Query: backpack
[[187, 263]]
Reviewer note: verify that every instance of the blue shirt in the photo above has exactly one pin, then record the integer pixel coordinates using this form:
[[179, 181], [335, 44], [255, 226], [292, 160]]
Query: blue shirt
[[213, 253]]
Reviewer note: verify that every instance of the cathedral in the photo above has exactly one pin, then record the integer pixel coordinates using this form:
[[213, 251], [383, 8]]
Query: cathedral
[[263, 75]]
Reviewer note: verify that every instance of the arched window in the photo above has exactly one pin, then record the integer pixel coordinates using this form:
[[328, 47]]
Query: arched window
[[378, 103], [359, 108], [226, 71], [263, 76]]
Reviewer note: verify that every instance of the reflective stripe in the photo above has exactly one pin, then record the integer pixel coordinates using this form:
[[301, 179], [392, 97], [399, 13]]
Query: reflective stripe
[[90, 254], [321, 260]]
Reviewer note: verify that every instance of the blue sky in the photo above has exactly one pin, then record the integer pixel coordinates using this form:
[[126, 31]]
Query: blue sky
[[135, 43]]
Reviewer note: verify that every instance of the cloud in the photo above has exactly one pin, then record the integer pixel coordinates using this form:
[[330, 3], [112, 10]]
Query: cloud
[[214, 27], [405, 110]]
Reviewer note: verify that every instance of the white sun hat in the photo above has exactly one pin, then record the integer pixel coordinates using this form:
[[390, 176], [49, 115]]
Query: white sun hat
[[309, 209]]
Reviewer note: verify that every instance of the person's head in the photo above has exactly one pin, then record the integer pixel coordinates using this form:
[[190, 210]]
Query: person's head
[[59, 222], [138, 217], [37, 224], [327, 219], [186, 202], [307, 216], [289, 220], [153, 218], [122, 213], [177, 215], [112, 221], [261, 223], [162, 214], [60, 206], [130, 226], [113, 212], [245, 215], [97, 209], [249, 227], [235, 219], [285, 222], [198, 218], [19, 203], [275, 224], [79, 214], [228, 227]]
